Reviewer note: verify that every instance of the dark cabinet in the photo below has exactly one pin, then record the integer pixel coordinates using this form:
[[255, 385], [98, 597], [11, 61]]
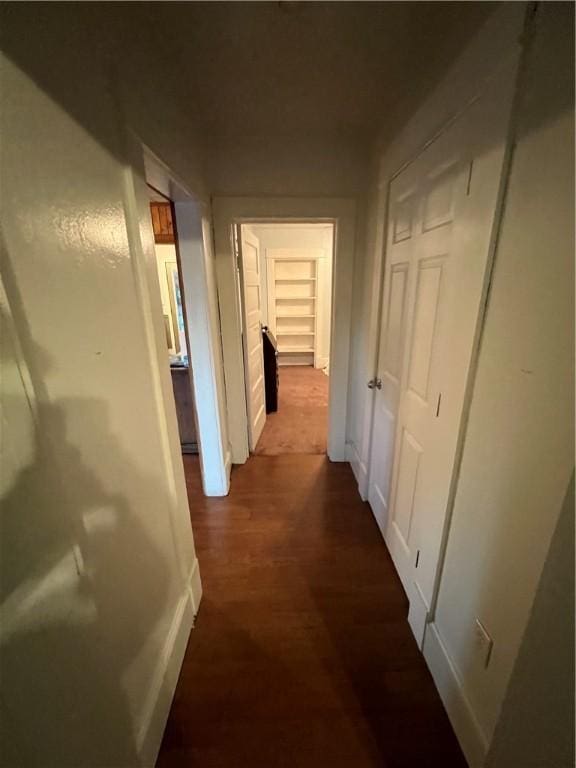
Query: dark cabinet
[[271, 380]]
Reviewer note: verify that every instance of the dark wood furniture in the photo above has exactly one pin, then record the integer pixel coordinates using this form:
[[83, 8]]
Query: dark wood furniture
[[182, 387]]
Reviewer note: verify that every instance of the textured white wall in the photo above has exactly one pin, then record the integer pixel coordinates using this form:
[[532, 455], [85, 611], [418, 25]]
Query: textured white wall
[[97, 551], [279, 166], [541, 690]]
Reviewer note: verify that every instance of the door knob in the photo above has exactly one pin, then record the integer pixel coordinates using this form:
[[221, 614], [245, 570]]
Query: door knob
[[375, 384]]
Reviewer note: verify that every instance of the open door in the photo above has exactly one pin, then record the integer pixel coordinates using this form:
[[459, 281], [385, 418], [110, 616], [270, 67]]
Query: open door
[[249, 252]]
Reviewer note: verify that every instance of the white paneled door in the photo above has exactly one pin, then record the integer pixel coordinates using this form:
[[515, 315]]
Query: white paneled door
[[440, 222], [252, 333]]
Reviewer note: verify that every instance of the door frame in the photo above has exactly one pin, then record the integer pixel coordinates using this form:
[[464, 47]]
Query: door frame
[[463, 83], [195, 257], [230, 211], [498, 91]]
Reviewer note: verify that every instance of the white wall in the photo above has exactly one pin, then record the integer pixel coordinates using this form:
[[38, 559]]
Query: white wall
[[541, 690], [279, 166], [519, 446], [99, 575], [302, 236]]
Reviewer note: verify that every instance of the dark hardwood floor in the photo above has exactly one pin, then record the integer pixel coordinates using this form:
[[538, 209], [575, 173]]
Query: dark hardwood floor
[[301, 655]]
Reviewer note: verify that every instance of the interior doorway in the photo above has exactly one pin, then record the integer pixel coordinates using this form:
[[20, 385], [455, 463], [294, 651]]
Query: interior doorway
[[189, 331], [285, 286], [229, 212], [174, 316]]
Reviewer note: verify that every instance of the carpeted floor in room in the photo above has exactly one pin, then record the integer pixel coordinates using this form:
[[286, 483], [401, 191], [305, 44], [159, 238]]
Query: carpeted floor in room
[[301, 423]]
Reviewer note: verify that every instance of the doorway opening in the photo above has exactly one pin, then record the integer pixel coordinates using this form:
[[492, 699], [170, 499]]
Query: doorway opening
[[285, 282], [186, 322], [174, 316], [229, 213]]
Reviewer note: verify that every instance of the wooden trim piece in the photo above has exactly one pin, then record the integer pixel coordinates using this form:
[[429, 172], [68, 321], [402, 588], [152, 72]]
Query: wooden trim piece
[[162, 223]]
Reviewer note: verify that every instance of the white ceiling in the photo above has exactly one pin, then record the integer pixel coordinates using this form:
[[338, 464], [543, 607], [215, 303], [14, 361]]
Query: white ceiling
[[347, 68]]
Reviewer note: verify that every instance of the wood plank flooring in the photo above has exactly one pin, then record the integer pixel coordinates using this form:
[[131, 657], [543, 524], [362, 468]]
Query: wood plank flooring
[[301, 655]]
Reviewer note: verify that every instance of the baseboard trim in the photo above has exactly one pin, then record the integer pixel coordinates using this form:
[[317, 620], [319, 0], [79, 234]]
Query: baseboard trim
[[418, 610], [195, 587], [218, 483], [163, 685], [358, 468], [449, 686], [379, 509], [228, 468]]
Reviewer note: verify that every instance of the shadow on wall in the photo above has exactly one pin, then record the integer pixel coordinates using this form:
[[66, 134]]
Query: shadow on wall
[[126, 64], [73, 615], [122, 75]]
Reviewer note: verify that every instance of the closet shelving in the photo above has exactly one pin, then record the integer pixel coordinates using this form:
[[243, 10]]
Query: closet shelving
[[293, 307]]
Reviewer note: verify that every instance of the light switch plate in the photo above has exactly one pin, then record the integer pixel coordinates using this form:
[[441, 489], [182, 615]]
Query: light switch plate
[[484, 642]]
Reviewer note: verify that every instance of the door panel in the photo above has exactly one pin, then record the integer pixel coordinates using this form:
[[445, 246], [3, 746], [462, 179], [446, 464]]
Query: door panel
[[252, 334], [441, 210], [403, 218], [401, 229], [439, 190], [408, 460], [423, 334], [396, 306], [438, 207]]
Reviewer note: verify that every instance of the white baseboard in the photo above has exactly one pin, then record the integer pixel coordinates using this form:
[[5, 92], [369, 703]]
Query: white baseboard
[[379, 509], [418, 610], [358, 468], [195, 586], [163, 685], [449, 685], [228, 468], [218, 483]]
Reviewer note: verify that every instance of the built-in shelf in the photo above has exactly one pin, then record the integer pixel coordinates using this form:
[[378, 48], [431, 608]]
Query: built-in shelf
[[282, 317], [287, 307], [295, 298], [294, 333]]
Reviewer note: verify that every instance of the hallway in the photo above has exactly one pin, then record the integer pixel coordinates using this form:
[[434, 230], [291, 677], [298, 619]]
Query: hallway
[[301, 423], [301, 655]]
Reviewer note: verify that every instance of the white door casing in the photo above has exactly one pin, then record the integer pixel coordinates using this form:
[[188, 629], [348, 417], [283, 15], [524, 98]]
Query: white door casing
[[249, 253], [441, 216], [200, 299], [340, 212]]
